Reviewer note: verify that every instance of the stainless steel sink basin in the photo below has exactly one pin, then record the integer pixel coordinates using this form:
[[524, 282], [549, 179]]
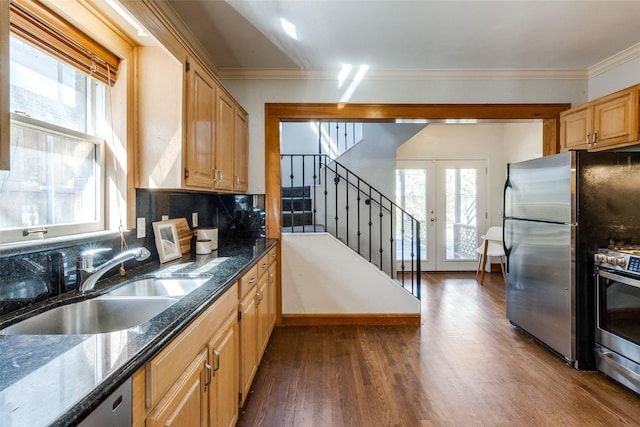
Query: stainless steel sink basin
[[93, 316], [177, 285], [124, 307]]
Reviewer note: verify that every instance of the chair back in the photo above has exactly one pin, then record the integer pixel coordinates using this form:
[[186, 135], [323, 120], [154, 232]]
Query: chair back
[[493, 234]]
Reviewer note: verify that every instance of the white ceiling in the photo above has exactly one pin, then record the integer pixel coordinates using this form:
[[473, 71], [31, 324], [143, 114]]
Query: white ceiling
[[413, 34]]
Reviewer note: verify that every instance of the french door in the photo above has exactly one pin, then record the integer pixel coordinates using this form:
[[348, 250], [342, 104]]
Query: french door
[[449, 199]]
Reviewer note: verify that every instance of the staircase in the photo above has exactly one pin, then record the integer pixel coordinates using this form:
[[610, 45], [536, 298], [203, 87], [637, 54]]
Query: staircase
[[297, 210], [322, 195]]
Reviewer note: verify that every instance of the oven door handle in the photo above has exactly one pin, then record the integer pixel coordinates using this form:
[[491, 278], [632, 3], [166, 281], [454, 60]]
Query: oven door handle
[[618, 278], [606, 357]]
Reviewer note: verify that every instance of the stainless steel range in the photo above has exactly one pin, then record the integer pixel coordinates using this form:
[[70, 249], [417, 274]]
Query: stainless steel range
[[617, 335]]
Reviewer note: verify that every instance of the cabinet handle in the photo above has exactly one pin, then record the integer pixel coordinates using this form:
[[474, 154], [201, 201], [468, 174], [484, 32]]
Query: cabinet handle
[[214, 172], [237, 179], [264, 265], [273, 255], [252, 280], [208, 379], [588, 139], [595, 138], [270, 277], [216, 359]]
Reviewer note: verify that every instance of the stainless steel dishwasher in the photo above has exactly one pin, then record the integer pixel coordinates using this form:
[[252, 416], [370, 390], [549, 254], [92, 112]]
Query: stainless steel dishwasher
[[114, 411]]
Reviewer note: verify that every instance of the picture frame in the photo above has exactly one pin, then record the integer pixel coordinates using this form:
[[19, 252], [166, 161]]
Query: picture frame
[[167, 241]]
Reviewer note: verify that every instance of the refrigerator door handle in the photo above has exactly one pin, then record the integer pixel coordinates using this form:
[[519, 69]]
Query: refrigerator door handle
[[507, 185], [507, 250]]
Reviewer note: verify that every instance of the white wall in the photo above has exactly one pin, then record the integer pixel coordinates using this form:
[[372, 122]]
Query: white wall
[[521, 141], [253, 94], [625, 75], [374, 159], [350, 286]]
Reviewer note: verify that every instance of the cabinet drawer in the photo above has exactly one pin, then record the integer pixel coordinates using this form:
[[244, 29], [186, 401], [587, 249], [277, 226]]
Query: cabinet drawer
[[273, 255], [263, 265], [163, 370], [248, 281]]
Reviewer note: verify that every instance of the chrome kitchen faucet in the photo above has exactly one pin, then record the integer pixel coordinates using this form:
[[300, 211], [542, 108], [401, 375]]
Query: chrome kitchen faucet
[[89, 275]]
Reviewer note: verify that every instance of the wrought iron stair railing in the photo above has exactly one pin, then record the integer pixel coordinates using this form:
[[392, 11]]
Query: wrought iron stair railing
[[320, 194]]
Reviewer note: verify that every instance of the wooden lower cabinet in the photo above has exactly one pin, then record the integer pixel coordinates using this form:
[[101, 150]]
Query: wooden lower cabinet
[[273, 305], [264, 331], [248, 342], [185, 404], [193, 381], [257, 317], [223, 390]]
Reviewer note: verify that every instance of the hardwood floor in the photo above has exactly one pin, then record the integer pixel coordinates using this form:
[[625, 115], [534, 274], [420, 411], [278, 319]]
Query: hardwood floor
[[465, 365]]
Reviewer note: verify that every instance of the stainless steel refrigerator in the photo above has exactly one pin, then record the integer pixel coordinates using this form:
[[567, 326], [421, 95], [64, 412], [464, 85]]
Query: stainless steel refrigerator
[[557, 211]]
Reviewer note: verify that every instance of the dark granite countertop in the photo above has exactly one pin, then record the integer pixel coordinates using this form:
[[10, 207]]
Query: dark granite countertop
[[60, 379]]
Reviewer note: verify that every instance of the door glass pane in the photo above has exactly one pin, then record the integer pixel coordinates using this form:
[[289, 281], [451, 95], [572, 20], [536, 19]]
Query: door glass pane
[[461, 214], [411, 185]]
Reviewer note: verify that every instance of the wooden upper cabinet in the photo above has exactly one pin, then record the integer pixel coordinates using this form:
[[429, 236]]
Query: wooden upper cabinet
[[201, 127], [607, 122], [188, 132], [615, 120], [241, 156], [575, 128], [224, 142]]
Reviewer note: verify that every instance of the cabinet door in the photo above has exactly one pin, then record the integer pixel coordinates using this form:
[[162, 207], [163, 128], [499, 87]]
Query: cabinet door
[[272, 296], [575, 128], [225, 139], [616, 119], [223, 357], [263, 315], [201, 113], [241, 154], [248, 342], [185, 404]]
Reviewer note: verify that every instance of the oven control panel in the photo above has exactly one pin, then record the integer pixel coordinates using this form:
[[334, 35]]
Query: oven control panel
[[620, 260], [634, 264]]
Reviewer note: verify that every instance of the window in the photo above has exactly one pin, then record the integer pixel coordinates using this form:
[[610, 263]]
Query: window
[[57, 126]]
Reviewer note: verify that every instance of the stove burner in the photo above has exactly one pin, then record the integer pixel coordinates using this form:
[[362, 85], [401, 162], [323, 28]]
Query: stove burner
[[626, 249]]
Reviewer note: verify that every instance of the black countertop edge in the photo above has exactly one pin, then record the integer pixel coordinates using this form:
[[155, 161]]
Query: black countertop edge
[[109, 384]]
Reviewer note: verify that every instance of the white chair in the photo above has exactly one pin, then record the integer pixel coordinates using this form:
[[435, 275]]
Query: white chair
[[491, 247]]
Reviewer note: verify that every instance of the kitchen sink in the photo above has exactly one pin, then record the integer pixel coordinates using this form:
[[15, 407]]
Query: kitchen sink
[[171, 285], [129, 305], [93, 316]]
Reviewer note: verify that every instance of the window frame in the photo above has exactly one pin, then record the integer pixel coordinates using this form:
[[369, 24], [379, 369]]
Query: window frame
[[118, 201], [16, 234]]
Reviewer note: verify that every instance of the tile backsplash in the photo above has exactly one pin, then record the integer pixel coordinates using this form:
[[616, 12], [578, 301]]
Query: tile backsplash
[[46, 269]]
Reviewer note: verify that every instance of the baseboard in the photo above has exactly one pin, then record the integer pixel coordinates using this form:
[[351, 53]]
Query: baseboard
[[350, 319]]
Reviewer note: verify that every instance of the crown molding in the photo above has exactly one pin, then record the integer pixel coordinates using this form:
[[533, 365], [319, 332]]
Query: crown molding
[[404, 74], [614, 61]]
